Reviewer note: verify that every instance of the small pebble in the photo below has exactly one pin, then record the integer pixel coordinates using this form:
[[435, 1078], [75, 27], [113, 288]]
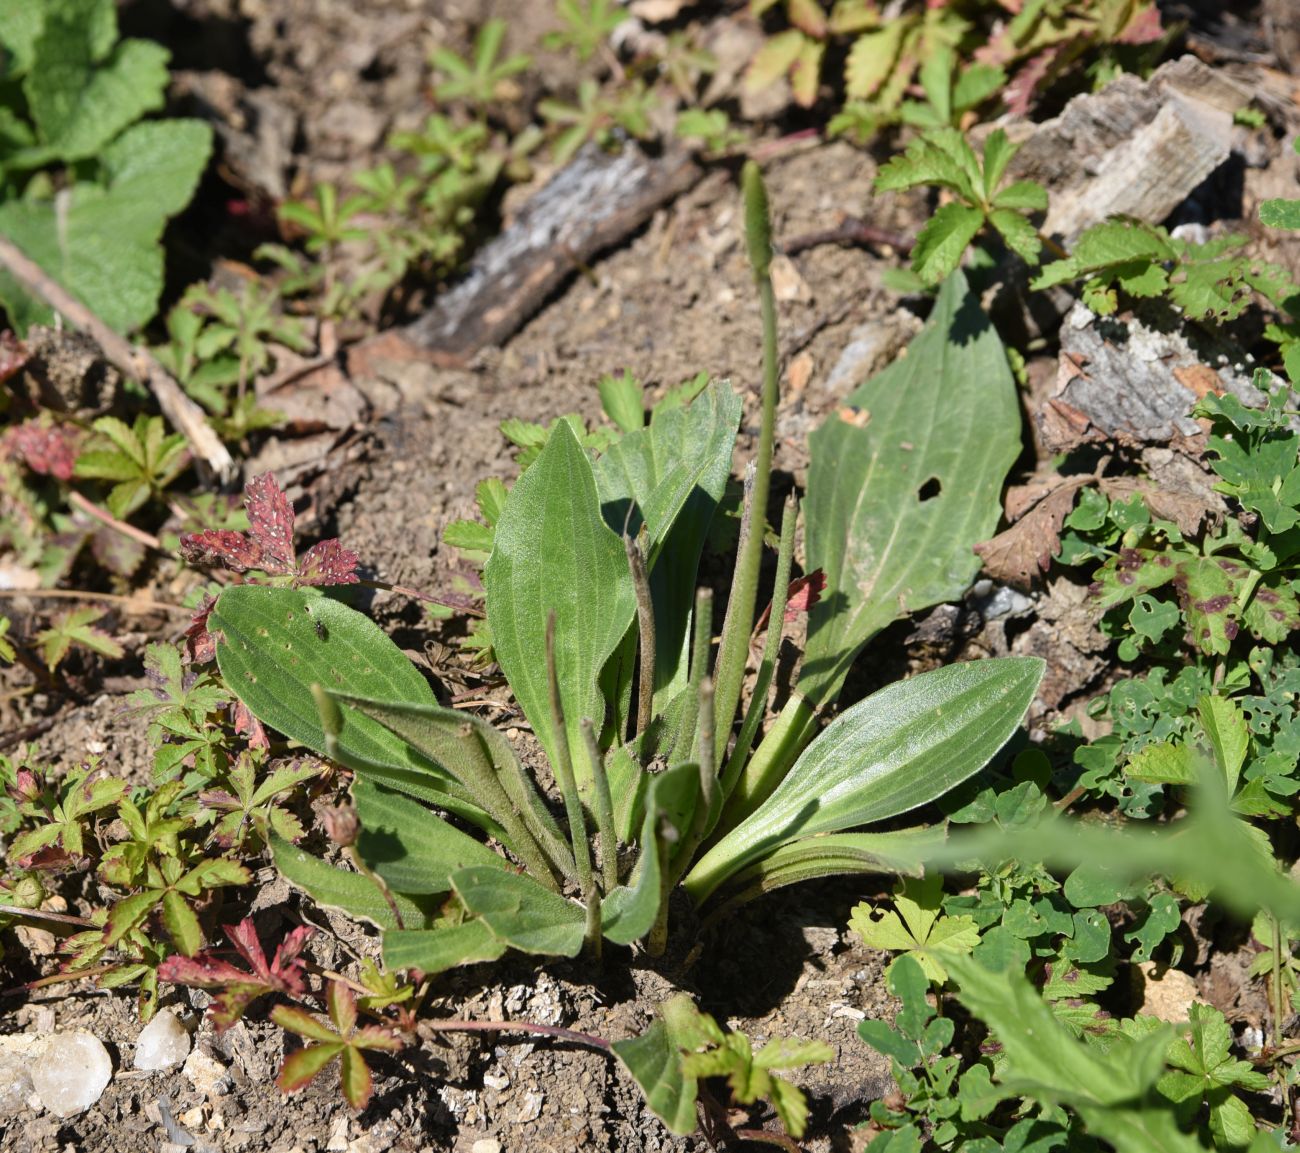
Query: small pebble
[[162, 1043], [72, 1073], [206, 1074]]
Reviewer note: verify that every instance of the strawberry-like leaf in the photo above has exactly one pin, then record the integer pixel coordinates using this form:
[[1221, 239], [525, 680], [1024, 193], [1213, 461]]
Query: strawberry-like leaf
[[268, 544], [239, 988]]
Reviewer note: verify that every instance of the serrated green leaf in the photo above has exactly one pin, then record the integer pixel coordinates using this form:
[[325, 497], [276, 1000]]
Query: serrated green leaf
[[623, 400], [1020, 236], [943, 239], [1162, 764]]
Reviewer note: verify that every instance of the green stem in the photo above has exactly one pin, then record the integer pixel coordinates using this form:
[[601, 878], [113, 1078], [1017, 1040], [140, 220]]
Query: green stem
[[604, 807], [1277, 981], [731, 775], [701, 642], [705, 810], [645, 613], [733, 650], [569, 791]]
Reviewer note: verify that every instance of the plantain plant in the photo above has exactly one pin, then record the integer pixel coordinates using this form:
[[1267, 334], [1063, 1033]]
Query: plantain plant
[[657, 762]]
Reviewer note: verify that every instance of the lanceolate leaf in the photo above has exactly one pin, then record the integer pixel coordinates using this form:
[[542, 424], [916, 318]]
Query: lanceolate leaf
[[900, 748], [905, 482], [670, 476], [554, 553], [436, 950]]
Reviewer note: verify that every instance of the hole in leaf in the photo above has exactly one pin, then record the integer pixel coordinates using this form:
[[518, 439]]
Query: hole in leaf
[[929, 490]]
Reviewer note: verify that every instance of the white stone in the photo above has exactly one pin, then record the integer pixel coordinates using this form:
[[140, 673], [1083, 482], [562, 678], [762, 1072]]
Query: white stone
[[486, 1145], [162, 1043], [72, 1072], [15, 1073], [206, 1074]]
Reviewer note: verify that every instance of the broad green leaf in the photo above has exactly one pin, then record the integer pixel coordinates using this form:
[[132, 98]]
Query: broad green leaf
[[893, 752], [1045, 1061], [275, 643], [349, 892], [899, 494], [517, 909], [670, 477], [413, 849], [1162, 764], [554, 553], [915, 926], [654, 1059], [943, 239], [81, 89], [102, 242], [623, 400], [436, 950]]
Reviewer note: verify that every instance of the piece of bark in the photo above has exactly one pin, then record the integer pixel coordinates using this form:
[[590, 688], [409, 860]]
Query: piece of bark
[[1136, 148], [1121, 380], [590, 205]]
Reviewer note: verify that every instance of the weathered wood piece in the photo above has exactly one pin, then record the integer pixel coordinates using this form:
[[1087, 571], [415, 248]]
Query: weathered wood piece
[[1122, 380], [1137, 148], [589, 206]]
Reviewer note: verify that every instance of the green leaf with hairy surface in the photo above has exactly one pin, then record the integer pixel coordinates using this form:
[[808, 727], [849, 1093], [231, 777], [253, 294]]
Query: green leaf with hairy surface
[[835, 854], [553, 553], [897, 750], [443, 948], [81, 93], [485, 764], [1045, 1061], [521, 912], [274, 644], [623, 400], [670, 477], [897, 501], [1112, 244], [413, 849], [102, 240], [1229, 736], [349, 892]]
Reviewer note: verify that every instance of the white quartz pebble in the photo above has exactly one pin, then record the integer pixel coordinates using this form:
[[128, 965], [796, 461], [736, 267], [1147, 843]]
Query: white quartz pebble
[[162, 1043], [72, 1073]]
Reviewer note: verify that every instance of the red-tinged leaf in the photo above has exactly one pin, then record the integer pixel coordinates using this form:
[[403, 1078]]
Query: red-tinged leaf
[[222, 546], [342, 1007], [299, 1068], [239, 988], [250, 726], [377, 1037], [1144, 28], [354, 1074], [328, 563], [1020, 89], [201, 645], [270, 524], [13, 355], [45, 449], [295, 1020], [805, 591]]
